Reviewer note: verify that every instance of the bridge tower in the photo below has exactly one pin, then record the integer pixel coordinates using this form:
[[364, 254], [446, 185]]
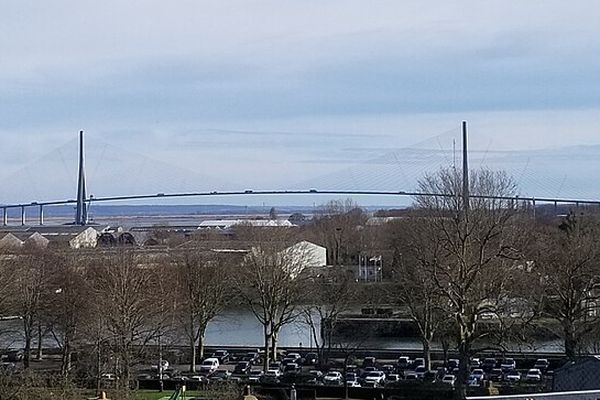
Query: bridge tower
[[81, 217]]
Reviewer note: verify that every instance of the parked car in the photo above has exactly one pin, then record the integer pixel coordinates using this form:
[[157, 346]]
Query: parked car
[[254, 375], [275, 365], [512, 376], [354, 383], [440, 373], [377, 377], [449, 380], [222, 356], [542, 364], [391, 378], [316, 373], [164, 363], [403, 362], [453, 364], [273, 372], [333, 378], [508, 364], [311, 359], [369, 362], [533, 375], [252, 357], [472, 381], [295, 356], [221, 375], [478, 374], [14, 355], [495, 375], [488, 364], [475, 363], [388, 369], [292, 367], [351, 378], [418, 362], [420, 371], [429, 376], [209, 365], [242, 368]]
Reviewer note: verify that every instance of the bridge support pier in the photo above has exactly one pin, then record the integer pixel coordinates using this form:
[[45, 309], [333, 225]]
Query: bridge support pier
[[41, 214], [5, 216], [22, 215]]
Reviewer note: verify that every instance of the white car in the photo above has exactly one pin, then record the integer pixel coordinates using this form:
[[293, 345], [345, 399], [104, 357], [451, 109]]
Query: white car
[[377, 377], [209, 366], [449, 380], [333, 378], [164, 363], [533, 375], [508, 364], [255, 375], [478, 374], [275, 373]]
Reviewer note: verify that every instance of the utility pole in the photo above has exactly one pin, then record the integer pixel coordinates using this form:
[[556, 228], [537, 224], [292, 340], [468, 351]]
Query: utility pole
[[81, 213], [465, 170]]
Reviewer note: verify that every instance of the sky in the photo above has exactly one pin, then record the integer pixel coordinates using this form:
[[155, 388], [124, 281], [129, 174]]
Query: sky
[[272, 94]]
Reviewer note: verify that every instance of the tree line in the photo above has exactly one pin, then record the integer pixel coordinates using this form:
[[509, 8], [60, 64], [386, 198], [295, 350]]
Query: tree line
[[471, 277]]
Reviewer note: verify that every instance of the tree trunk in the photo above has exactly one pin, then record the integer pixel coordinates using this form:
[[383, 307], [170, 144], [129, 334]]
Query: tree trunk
[[193, 362], [274, 346], [463, 366], [267, 337], [201, 339], [27, 349], [65, 366], [571, 341], [427, 353], [39, 352]]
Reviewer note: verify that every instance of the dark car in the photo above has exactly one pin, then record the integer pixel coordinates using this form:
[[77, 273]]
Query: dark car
[[311, 359], [14, 355], [222, 356], [292, 368], [252, 357], [488, 364], [495, 374], [220, 376], [429, 376], [542, 364], [368, 362], [242, 368]]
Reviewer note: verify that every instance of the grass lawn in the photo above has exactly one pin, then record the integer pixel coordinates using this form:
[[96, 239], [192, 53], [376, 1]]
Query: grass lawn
[[156, 395]]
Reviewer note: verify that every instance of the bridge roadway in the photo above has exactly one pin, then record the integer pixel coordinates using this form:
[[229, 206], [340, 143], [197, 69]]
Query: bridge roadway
[[42, 204]]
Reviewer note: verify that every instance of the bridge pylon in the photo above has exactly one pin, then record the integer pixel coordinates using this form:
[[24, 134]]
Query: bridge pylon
[[81, 213]]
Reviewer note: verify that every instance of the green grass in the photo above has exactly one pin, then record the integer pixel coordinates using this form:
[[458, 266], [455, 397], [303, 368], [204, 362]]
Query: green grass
[[156, 395]]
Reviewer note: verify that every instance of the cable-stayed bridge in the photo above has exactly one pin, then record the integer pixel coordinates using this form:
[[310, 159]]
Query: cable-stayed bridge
[[393, 173]]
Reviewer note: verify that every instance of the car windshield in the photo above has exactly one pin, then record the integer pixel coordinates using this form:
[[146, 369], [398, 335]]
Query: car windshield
[[373, 375], [332, 374]]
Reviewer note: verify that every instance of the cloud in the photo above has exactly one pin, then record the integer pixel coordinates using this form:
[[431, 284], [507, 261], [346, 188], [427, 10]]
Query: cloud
[[268, 92]]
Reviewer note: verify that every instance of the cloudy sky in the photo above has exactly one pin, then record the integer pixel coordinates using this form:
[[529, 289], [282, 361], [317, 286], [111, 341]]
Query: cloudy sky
[[266, 94]]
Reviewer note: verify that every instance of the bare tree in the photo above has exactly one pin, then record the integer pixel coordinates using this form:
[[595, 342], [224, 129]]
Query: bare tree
[[272, 282], [414, 290], [568, 258], [68, 304], [128, 294], [469, 250], [332, 294], [31, 281], [203, 290], [337, 226]]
